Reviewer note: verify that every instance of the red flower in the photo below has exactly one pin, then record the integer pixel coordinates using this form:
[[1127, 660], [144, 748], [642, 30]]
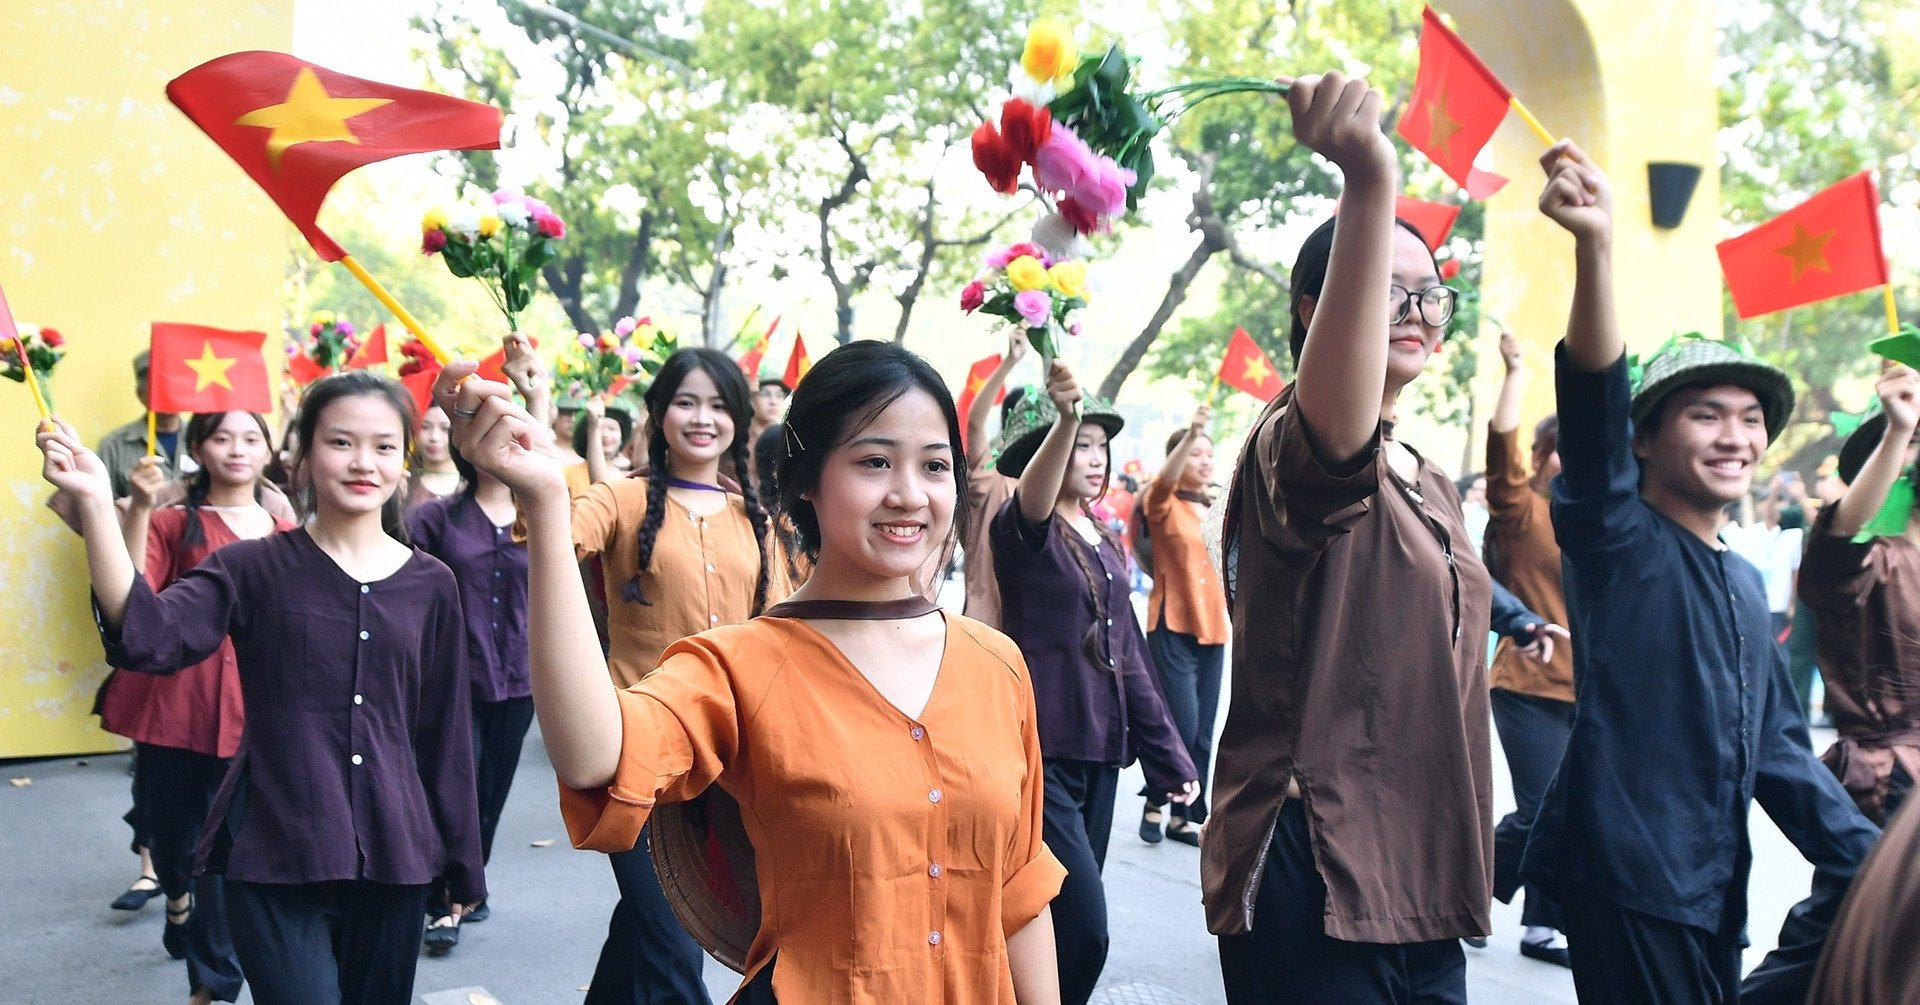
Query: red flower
[[1083, 220], [1025, 127], [551, 226], [432, 241], [52, 338], [973, 296], [996, 159], [1030, 250], [1449, 269]]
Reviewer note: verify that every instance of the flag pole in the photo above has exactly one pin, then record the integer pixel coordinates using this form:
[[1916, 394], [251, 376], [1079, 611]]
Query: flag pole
[[1893, 309], [1532, 123], [33, 379], [153, 438], [406, 317], [1212, 388]]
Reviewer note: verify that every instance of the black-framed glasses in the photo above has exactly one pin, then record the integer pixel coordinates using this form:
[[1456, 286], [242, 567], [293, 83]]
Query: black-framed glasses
[[1436, 303]]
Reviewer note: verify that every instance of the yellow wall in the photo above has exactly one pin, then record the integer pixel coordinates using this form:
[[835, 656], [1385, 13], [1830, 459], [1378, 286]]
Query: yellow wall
[[115, 211], [1632, 82]]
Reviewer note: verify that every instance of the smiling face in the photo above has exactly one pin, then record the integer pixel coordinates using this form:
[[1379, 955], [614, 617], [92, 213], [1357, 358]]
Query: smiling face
[[885, 497], [1198, 473], [1705, 448], [1087, 468], [1411, 340], [358, 455], [697, 426], [434, 439], [235, 452], [610, 438]]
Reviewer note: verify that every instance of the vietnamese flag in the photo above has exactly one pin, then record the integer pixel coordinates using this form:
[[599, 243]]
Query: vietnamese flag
[[1456, 105], [193, 368], [419, 383], [1434, 220], [304, 370], [1825, 247], [373, 350], [750, 363], [296, 128], [798, 362], [977, 376], [1248, 369]]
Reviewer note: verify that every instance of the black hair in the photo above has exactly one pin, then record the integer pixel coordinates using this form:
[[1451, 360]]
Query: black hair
[[1650, 426], [732, 385], [1174, 440], [841, 395], [357, 383], [1309, 275], [469, 475], [1546, 435], [766, 466], [581, 423], [200, 428], [766, 382]]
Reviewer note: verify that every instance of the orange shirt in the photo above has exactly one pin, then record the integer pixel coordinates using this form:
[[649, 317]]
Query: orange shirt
[[987, 491], [894, 854], [1525, 558], [1188, 593], [702, 574]]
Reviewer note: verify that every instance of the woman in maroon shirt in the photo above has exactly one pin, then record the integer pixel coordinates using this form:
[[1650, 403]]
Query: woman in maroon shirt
[[353, 788], [187, 726]]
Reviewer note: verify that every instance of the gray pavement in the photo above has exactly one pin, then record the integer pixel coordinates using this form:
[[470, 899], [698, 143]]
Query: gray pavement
[[63, 856]]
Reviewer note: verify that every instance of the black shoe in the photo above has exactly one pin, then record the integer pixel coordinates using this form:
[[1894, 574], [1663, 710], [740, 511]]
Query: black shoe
[[1183, 832], [477, 915], [1546, 952], [173, 938], [1150, 825], [442, 935], [1475, 941], [136, 896]]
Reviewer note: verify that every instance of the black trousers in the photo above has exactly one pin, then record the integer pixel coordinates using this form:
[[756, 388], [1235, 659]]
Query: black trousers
[[499, 730], [1189, 675], [1623, 957], [1079, 819], [175, 790], [1534, 733], [349, 942], [648, 959], [1288, 957]]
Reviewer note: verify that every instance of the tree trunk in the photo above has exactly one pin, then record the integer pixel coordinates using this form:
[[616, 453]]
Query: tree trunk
[[639, 265], [713, 336], [566, 285]]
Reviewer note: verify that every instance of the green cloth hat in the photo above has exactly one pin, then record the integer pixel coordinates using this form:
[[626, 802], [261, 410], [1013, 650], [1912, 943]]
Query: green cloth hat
[[1031, 419], [1860, 444], [1688, 361]]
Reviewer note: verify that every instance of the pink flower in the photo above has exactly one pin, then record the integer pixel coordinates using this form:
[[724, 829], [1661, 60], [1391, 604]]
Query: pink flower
[[999, 257], [433, 241], [1082, 219], [315, 330], [344, 328], [550, 225], [1103, 190], [1035, 307], [1028, 249], [1074, 328], [1063, 161], [587, 341], [625, 326], [973, 296], [506, 195]]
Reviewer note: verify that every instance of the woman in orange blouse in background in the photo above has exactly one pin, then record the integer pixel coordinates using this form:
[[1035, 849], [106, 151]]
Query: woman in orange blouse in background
[[885, 755]]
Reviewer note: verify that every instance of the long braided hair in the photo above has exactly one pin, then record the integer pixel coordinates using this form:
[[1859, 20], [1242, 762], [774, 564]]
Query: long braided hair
[[200, 429], [726, 377]]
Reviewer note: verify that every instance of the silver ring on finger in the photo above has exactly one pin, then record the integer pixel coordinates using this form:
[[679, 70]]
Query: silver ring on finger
[[466, 413]]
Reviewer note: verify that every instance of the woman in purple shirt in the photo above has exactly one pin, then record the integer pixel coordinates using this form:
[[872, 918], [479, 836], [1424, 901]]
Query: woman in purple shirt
[[1064, 600], [353, 790]]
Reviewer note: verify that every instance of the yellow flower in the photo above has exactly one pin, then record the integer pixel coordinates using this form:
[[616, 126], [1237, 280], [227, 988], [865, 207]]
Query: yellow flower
[[436, 219], [1050, 55], [643, 337], [1026, 273], [489, 225], [1070, 278], [323, 318]]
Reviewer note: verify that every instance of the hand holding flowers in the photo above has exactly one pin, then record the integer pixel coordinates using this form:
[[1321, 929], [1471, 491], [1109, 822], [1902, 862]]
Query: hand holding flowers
[[504, 245]]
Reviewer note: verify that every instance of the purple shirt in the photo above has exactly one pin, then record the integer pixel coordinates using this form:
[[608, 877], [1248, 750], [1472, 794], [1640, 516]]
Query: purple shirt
[[1101, 706], [492, 572], [357, 763]]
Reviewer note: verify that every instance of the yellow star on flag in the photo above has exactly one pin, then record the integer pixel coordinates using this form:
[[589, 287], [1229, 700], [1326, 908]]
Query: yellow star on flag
[[309, 115], [1808, 251], [1441, 127], [975, 384], [1257, 371], [210, 369]]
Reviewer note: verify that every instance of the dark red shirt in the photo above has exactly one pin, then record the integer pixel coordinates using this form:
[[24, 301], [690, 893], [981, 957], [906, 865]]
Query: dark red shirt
[[357, 762], [491, 568]]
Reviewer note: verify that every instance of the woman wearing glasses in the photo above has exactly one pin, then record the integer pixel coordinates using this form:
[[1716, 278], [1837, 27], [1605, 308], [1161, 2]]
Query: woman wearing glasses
[[1350, 846]]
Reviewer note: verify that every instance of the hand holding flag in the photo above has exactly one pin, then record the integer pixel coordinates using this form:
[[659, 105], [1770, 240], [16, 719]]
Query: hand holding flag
[[1457, 104]]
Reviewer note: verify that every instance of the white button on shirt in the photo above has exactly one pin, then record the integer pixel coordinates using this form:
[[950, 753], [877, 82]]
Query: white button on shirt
[[934, 796], [363, 635], [356, 759]]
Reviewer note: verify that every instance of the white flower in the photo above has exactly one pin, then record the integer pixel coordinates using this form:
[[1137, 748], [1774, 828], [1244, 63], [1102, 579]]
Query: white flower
[[1034, 92], [1055, 234], [515, 214], [464, 221]]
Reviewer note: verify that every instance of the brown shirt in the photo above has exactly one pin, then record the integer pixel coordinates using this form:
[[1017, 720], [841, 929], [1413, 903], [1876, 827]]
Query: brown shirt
[[1188, 596], [895, 853], [1866, 606], [1524, 556], [702, 574], [1869, 958], [987, 491], [1359, 672]]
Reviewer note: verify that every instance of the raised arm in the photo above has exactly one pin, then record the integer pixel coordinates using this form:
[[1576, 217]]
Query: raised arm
[[70, 466], [1578, 198], [579, 713], [148, 478], [1513, 384], [1899, 391], [983, 399], [1176, 464], [529, 375], [1343, 366], [1040, 482], [599, 466]]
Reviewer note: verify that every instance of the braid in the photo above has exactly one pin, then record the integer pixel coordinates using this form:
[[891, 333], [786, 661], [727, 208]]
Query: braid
[[656, 514], [197, 489], [757, 517], [1096, 590]]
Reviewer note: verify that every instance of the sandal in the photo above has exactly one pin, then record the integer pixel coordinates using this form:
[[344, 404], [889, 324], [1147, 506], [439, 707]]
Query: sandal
[[1184, 832], [1150, 824], [443, 933], [137, 896], [173, 938]]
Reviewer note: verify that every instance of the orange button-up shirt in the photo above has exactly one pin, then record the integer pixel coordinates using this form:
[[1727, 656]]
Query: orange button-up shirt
[[1188, 594], [895, 854]]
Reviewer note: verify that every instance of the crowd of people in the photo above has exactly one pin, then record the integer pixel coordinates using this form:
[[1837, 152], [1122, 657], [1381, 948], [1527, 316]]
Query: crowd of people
[[724, 619]]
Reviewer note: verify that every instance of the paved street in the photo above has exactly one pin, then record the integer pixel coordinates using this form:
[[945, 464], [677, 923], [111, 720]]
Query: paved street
[[64, 853]]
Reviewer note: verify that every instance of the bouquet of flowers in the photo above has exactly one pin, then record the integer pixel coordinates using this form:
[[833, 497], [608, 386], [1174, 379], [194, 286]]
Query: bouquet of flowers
[[605, 364], [1088, 138], [326, 347], [36, 350], [1026, 285], [503, 244]]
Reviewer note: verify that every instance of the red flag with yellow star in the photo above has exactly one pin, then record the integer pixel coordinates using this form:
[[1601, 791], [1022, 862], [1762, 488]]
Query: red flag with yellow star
[[1247, 368], [1457, 103], [976, 379], [1825, 247], [193, 368], [373, 350], [750, 363], [296, 128], [798, 362]]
